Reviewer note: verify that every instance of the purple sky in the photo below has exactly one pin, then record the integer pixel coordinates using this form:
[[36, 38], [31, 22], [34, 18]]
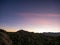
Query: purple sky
[[31, 15]]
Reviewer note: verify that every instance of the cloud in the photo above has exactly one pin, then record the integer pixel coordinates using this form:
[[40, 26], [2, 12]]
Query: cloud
[[37, 15], [54, 15], [41, 19]]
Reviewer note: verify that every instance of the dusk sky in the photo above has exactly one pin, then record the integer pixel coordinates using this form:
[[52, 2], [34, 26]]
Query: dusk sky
[[30, 15]]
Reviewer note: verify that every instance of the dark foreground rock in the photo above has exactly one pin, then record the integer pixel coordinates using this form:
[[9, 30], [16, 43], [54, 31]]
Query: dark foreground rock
[[22, 37]]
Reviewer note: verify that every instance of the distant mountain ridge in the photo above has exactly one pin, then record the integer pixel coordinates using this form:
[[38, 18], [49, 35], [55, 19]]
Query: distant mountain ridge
[[52, 34]]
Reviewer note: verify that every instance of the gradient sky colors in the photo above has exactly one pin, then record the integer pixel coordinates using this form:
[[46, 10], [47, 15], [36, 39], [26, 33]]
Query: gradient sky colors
[[30, 15]]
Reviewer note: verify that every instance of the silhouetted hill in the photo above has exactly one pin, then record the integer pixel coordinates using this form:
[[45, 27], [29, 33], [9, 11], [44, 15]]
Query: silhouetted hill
[[1, 30], [22, 37], [4, 38], [21, 31]]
